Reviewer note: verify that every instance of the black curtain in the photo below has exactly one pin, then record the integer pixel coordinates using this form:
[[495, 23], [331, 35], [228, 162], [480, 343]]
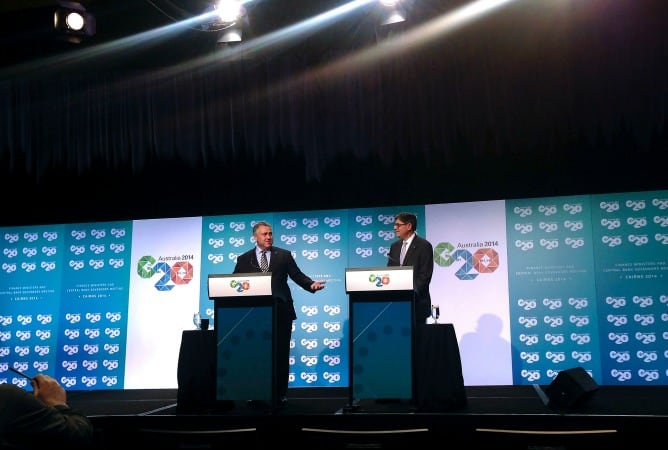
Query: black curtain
[[534, 100]]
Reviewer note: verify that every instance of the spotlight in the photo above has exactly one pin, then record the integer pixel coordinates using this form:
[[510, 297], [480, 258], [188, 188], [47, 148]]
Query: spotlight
[[229, 11], [228, 18], [230, 35], [390, 18], [392, 11], [73, 22]]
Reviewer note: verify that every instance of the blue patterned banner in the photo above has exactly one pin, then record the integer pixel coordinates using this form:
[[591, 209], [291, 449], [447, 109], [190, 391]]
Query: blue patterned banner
[[532, 287], [552, 288]]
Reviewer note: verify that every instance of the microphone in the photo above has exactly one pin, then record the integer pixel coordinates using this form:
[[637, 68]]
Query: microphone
[[392, 259], [255, 265]]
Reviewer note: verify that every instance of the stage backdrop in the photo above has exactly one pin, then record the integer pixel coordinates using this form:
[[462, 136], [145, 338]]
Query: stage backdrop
[[531, 286]]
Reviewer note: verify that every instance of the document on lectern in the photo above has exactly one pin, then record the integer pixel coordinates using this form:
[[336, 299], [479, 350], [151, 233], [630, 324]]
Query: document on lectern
[[239, 285]]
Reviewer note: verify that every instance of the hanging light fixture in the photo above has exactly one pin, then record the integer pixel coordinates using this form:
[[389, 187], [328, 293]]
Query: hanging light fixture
[[228, 19], [391, 15], [73, 22], [392, 11]]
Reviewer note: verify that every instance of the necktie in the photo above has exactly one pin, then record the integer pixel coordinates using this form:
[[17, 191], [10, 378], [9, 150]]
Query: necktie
[[404, 247], [264, 264]]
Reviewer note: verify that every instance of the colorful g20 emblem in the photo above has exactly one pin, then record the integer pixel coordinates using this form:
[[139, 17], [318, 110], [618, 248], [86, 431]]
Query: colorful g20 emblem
[[181, 272], [484, 260]]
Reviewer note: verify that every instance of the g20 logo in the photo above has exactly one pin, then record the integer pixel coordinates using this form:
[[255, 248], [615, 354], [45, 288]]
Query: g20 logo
[[379, 280], [181, 272], [484, 260]]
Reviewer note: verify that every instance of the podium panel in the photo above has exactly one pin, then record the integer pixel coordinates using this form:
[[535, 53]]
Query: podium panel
[[244, 352], [382, 350], [245, 343], [238, 285], [381, 341]]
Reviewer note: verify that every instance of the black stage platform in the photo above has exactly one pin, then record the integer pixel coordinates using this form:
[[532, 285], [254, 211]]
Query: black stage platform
[[614, 417]]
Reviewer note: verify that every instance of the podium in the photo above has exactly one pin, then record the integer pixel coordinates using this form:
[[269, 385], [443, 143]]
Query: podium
[[245, 324], [381, 333]]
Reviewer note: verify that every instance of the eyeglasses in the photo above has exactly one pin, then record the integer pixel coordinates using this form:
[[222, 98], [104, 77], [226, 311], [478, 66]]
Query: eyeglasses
[[397, 224]]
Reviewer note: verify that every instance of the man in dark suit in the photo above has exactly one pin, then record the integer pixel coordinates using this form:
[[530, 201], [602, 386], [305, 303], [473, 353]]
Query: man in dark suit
[[419, 253], [267, 258]]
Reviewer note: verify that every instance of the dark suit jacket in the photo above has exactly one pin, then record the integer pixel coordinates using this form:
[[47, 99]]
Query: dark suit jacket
[[281, 265], [420, 255], [26, 422]]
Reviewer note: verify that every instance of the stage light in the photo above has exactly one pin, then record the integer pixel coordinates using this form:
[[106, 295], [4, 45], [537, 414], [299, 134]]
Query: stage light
[[73, 22], [230, 35], [391, 11], [391, 16], [229, 18], [229, 11]]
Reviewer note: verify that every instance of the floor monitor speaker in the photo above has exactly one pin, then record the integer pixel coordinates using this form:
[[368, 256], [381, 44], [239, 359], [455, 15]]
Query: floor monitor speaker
[[571, 388]]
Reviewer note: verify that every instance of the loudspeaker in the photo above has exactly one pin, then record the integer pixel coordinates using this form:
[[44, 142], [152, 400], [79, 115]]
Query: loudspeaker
[[571, 388]]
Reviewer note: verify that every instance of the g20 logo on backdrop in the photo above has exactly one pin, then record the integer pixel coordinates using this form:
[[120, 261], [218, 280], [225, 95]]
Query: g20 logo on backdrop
[[179, 272], [483, 260]]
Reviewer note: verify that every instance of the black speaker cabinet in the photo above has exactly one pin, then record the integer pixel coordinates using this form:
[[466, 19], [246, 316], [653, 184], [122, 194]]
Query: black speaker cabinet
[[571, 388]]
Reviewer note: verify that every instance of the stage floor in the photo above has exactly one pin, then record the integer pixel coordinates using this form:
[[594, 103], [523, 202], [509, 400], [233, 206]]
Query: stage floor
[[502, 416], [606, 401]]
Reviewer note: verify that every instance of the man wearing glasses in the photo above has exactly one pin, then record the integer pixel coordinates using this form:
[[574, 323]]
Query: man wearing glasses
[[413, 250]]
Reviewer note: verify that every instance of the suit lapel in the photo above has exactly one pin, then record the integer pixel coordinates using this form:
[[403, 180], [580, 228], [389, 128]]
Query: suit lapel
[[407, 256], [272, 261], [409, 252]]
